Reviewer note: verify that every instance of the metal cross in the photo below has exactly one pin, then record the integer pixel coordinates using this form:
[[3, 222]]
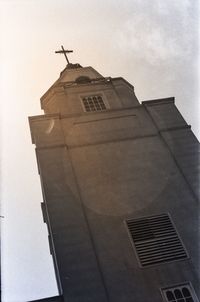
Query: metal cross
[[64, 52]]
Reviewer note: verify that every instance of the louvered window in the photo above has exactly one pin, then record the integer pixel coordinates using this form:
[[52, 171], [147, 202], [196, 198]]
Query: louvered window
[[181, 293], [93, 103], [155, 240]]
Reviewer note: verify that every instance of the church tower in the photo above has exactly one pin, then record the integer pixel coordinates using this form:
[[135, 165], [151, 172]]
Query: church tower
[[120, 189]]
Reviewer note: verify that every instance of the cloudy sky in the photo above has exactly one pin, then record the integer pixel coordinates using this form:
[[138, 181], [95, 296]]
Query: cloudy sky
[[152, 44]]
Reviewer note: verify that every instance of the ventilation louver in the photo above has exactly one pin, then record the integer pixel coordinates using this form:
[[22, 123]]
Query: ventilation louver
[[155, 240]]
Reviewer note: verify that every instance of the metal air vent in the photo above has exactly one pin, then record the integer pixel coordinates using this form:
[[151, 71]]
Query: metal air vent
[[156, 240]]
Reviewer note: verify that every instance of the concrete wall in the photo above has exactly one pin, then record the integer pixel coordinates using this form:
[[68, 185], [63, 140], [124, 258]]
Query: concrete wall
[[65, 97], [99, 169]]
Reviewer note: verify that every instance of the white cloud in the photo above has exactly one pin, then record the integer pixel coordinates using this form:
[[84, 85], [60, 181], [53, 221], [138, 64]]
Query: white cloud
[[159, 31]]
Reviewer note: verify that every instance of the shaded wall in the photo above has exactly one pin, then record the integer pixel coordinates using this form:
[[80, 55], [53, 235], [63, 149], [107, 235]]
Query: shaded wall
[[99, 169]]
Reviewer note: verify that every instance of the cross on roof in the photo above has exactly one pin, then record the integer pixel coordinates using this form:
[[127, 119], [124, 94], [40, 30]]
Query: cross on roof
[[63, 51]]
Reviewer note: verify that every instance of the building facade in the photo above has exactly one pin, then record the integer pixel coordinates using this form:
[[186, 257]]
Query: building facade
[[120, 189]]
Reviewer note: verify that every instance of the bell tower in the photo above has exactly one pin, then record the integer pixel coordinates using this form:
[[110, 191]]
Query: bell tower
[[116, 190]]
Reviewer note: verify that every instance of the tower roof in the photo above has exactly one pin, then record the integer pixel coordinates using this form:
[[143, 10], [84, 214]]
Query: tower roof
[[73, 73], [71, 66]]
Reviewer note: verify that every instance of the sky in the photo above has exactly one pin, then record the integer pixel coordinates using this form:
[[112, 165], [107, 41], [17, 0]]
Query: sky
[[152, 44]]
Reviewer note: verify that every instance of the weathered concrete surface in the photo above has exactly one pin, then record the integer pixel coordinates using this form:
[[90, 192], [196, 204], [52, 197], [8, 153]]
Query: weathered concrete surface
[[99, 169]]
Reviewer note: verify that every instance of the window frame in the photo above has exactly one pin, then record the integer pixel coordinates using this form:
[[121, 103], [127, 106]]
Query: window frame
[[188, 285], [95, 94]]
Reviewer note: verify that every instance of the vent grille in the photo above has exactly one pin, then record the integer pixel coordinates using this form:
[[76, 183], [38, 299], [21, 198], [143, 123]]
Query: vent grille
[[155, 240]]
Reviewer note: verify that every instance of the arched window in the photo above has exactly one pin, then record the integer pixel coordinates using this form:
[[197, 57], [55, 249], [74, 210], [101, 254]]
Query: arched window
[[181, 293], [170, 295]]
